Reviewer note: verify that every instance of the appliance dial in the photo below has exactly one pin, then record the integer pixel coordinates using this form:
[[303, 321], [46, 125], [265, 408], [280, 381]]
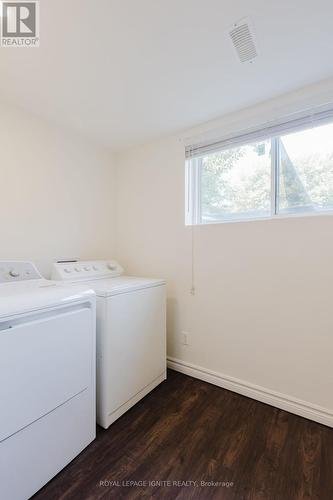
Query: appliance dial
[[14, 274]]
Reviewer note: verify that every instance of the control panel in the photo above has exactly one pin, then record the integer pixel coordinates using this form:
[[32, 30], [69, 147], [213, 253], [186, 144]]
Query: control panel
[[85, 270], [11, 271]]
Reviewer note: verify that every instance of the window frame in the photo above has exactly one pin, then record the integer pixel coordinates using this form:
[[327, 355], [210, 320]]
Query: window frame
[[193, 215]]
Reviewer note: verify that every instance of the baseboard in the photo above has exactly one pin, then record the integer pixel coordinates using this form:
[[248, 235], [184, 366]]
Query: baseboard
[[285, 402]]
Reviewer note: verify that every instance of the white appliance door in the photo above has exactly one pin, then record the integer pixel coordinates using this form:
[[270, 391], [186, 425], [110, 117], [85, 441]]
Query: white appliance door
[[132, 344], [45, 360]]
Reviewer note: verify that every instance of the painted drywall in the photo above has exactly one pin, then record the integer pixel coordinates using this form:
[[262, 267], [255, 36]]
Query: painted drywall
[[262, 309], [56, 193]]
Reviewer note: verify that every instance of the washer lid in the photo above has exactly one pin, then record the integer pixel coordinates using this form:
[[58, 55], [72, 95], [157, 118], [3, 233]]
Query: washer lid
[[122, 284], [26, 296]]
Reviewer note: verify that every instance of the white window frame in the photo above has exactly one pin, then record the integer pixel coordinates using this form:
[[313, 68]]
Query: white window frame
[[193, 192], [193, 171]]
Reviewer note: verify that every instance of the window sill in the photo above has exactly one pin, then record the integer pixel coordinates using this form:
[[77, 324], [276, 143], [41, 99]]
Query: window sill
[[265, 218]]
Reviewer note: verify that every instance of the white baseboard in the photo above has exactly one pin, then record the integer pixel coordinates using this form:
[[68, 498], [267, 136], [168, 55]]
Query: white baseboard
[[288, 403]]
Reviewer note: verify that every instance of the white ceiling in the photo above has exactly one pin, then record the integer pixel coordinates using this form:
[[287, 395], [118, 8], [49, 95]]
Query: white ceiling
[[126, 71]]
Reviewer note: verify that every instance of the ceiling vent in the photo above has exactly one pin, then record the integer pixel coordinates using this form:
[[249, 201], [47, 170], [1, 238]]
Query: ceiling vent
[[243, 39]]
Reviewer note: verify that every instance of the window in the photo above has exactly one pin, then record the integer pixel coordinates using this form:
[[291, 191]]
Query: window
[[284, 173]]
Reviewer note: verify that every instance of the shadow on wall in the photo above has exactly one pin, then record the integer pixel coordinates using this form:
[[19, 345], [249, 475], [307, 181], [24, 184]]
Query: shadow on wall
[[173, 325]]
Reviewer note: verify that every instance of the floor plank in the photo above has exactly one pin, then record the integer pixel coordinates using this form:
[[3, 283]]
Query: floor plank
[[188, 431]]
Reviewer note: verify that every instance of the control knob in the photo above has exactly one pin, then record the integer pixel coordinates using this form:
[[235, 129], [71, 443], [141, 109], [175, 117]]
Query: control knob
[[14, 274]]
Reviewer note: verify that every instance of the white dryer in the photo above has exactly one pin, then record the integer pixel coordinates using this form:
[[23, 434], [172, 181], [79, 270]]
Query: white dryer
[[131, 333], [47, 377]]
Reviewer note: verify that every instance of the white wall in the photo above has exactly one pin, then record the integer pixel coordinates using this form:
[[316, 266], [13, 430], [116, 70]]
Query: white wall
[[56, 193], [262, 311]]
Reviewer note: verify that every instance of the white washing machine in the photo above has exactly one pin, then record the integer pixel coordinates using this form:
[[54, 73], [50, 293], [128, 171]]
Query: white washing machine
[[131, 333], [47, 377]]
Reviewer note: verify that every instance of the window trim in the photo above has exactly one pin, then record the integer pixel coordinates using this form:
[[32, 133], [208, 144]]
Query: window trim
[[328, 212]]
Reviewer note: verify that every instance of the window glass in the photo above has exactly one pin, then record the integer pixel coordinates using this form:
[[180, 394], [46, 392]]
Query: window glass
[[285, 174], [306, 170], [236, 183]]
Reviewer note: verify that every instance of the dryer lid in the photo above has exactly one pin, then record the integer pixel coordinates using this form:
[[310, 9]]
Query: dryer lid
[[34, 295]]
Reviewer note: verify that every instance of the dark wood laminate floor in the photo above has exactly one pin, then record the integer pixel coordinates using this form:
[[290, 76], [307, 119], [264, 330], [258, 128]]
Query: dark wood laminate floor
[[188, 430]]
